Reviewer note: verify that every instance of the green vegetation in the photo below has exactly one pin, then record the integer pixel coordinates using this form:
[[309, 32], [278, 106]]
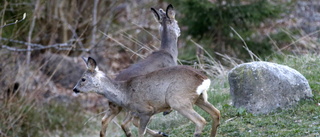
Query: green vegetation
[[22, 117], [210, 22]]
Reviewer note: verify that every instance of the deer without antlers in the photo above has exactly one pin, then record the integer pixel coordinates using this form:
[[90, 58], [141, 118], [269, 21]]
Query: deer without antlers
[[166, 56], [177, 87]]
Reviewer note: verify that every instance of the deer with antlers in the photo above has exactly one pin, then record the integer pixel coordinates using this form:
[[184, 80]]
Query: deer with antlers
[[177, 88]]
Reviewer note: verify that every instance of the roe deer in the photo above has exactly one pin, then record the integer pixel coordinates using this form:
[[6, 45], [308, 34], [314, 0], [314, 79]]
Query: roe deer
[[166, 56], [177, 87]]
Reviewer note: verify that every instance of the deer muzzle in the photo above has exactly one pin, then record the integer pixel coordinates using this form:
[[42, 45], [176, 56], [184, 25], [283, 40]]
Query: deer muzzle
[[75, 90]]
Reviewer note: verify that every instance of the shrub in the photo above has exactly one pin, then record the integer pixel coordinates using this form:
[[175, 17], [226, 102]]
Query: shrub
[[211, 22]]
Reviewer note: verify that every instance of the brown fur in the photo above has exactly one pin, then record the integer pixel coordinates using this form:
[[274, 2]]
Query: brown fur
[[173, 87], [166, 56]]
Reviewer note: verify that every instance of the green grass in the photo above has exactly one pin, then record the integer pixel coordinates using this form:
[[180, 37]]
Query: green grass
[[302, 120]]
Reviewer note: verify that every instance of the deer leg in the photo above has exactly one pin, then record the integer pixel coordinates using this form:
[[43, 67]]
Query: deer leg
[[125, 124], [214, 113], [144, 120], [192, 115], [112, 111], [149, 131]]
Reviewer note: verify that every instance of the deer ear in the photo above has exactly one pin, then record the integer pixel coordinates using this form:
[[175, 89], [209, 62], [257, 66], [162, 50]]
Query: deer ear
[[91, 64], [170, 12], [84, 59], [155, 13]]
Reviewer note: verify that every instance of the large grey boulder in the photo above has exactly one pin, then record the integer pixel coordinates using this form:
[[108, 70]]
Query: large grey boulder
[[261, 87]]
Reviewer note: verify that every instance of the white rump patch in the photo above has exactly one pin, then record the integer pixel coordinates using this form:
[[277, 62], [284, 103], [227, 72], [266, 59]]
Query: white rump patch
[[204, 86]]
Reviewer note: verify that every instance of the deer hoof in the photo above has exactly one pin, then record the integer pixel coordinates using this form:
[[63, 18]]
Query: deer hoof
[[163, 134], [129, 135], [167, 112]]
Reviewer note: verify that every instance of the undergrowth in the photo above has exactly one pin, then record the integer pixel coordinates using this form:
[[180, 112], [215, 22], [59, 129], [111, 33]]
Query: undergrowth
[[22, 117]]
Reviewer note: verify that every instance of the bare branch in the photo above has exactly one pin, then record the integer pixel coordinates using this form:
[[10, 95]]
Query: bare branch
[[69, 43], [94, 23], [33, 22], [17, 21], [59, 46], [18, 49], [45, 47]]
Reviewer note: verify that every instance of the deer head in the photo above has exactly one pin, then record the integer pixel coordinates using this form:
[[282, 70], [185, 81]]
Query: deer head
[[169, 30], [91, 79], [167, 55], [167, 19]]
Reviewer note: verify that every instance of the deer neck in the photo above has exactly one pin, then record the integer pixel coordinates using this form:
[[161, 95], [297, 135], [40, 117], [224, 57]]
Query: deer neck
[[169, 41], [113, 91]]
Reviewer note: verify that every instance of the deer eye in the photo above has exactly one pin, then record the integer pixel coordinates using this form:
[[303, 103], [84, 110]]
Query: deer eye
[[83, 79]]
